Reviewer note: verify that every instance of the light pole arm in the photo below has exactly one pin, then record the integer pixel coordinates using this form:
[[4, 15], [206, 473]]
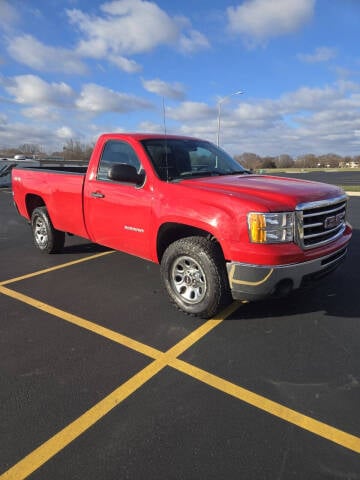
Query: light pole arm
[[219, 113]]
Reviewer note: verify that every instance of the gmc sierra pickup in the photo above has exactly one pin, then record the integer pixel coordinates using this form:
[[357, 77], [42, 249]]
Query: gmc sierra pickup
[[216, 230]]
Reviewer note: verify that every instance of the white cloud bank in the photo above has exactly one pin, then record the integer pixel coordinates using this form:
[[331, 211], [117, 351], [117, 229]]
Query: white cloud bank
[[175, 91], [97, 99], [31, 89], [8, 15], [92, 98], [31, 52], [125, 27], [321, 54], [122, 29], [319, 120], [259, 20], [130, 27]]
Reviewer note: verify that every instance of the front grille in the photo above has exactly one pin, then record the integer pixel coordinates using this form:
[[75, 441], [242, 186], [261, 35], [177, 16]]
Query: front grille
[[319, 223]]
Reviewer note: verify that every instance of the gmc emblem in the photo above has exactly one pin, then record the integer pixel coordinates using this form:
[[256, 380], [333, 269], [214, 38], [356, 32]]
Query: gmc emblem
[[333, 221]]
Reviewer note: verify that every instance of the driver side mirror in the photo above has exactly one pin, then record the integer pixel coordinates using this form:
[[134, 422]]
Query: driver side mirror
[[122, 172]]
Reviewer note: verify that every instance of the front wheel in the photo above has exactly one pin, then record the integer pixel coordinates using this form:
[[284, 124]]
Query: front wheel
[[46, 238], [194, 275]]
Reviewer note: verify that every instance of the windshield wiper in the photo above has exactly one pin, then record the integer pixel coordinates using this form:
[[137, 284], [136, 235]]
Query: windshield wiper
[[200, 173], [239, 172]]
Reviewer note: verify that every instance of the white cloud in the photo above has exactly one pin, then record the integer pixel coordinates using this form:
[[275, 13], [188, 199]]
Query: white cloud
[[151, 127], [126, 27], [318, 120], [65, 133], [259, 20], [176, 90], [93, 98], [193, 41], [190, 111], [257, 115], [122, 29], [97, 99], [9, 16], [128, 66], [321, 54], [30, 89], [41, 112], [20, 133], [306, 98], [29, 51], [131, 27]]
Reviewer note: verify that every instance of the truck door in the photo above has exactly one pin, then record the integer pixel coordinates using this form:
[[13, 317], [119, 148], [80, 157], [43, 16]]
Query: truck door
[[118, 214]]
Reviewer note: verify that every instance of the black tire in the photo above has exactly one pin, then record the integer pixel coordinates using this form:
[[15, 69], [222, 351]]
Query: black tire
[[46, 238], [194, 274]]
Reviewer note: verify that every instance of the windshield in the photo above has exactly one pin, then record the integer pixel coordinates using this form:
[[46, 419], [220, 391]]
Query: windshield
[[177, 159]]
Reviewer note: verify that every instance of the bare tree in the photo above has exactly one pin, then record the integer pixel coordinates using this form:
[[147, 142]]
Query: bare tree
[[267, 162], [309, 160], [75, 150], [284, 161], [248, 160], [30, 149]]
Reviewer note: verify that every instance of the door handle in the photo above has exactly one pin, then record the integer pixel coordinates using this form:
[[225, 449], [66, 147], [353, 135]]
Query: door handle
[[97, 195]]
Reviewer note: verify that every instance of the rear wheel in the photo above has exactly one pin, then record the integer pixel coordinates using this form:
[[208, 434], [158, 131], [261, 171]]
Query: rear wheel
[[194, 275], [46, 238]]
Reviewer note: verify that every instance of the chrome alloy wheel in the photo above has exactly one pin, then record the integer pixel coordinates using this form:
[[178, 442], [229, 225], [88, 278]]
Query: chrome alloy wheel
[[188, 279], [40, 232]]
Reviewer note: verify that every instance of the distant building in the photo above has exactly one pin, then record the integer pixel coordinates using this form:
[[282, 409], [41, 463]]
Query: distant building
[[351, 164]]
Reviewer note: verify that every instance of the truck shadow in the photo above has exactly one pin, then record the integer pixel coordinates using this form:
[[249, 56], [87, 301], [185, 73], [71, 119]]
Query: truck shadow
[[336, 295], [85, 248]]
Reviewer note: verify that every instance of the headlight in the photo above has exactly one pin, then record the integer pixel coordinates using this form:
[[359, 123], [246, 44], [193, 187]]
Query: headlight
[[271, 227]]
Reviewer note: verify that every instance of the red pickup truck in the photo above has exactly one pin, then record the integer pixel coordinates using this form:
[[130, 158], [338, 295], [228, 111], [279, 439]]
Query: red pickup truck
[[216, 229]]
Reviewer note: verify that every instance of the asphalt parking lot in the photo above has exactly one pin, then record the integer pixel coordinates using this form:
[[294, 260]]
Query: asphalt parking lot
[[102, 379]]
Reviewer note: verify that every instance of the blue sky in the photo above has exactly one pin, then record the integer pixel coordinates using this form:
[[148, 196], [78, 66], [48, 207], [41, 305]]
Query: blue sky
[[73, 69]]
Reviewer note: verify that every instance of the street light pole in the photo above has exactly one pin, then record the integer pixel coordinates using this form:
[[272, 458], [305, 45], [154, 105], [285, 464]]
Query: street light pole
[[219, 112]]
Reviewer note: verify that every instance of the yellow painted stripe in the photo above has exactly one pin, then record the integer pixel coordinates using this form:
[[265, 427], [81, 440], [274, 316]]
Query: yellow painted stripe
[[42, 454], [57, 267], [55, 444], [201, 331], [276, 409], [83, 323], [118, 337]]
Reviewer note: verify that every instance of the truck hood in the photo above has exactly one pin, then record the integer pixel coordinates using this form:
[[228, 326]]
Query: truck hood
[[274, 193]]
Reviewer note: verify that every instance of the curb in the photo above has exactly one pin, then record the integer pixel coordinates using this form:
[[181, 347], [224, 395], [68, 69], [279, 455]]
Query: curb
[[353, 194]]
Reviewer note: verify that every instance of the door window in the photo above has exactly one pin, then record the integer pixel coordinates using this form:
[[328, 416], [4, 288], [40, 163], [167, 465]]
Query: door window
[[114, 152]]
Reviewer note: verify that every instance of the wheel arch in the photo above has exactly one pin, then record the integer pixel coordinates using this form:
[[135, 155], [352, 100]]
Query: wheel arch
[[33, 201], [171, 232]]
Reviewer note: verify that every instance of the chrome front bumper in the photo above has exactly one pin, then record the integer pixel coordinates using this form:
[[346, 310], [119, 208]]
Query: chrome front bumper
[[254, 282]]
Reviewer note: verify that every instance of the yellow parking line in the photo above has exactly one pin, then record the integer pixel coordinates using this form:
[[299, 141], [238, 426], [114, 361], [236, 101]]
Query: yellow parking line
[[57, 267], [83, 323], [55, 444], [43, 453], [276, 409]]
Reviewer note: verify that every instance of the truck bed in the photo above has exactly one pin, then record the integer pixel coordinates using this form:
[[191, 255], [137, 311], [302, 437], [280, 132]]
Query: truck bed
[[60, 188], [81, 169]]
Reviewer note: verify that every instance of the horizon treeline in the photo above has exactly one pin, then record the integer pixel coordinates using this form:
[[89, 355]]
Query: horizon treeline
[[75, 150]]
